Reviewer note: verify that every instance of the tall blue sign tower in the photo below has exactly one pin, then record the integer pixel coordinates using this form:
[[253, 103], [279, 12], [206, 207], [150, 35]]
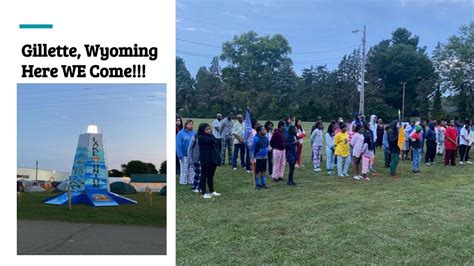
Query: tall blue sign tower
[[89, 176]]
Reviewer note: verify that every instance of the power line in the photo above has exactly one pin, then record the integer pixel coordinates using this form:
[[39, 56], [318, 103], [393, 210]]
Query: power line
[[72, 105], [81, 95], [33, 91], [100, 121], [199, 43]]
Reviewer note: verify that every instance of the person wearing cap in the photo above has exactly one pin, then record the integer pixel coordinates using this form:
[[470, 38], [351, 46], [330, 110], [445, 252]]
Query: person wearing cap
[[415, 137]]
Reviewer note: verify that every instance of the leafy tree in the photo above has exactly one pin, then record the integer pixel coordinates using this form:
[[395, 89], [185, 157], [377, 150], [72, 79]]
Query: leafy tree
[[437, 112], [184, 88], [163, 168], [455, 65], [139, 167], [398, 60]]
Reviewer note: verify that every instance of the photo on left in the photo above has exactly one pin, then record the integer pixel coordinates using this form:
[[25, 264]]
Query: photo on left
[[91, 169]]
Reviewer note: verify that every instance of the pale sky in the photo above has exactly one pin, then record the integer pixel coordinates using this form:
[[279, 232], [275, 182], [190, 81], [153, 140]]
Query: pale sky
[[131, 117]]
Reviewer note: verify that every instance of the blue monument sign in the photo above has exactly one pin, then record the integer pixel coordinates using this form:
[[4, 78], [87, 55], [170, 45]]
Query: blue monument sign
[[89, 176]]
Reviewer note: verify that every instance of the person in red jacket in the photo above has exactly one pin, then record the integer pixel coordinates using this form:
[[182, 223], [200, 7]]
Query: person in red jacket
[[450, 144]]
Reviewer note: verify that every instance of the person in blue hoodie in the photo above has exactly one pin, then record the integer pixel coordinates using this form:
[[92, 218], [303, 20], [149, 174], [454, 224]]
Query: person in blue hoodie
[[291, 152], [183, 139], [259, 150]]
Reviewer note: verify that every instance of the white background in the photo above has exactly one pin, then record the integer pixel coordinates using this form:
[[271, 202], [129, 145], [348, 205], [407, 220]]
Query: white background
[[109, 23]]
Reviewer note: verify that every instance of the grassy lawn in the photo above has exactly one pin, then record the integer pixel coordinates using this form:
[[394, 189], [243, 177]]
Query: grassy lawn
[[425, 218], [32, 208]]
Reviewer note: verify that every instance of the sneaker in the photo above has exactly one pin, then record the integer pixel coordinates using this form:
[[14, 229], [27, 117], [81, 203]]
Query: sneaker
[[345, 175], [280, 178], [356, 177], [264, 186], [235, 168], [291, 184], [249, 172], [366, 179], [196, 190], [341, 175], [427, 164], [317, 169], [330, 172], [207, 196], [468, 162], [215, 194], [461, 163]]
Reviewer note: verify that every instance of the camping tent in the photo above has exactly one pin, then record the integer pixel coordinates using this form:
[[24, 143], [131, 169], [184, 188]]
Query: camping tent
[[122, 188], [163, 191]]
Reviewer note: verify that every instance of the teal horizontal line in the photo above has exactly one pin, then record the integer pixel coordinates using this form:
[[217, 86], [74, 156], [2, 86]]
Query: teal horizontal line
[[36, 26]]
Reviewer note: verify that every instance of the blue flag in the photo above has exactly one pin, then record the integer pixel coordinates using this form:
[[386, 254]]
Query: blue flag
[[248, 128]]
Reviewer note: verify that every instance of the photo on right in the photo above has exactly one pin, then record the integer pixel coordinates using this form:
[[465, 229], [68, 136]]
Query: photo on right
[[324, 132]]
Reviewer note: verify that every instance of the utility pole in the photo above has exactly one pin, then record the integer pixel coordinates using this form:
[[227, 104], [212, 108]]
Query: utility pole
[[403, 100], [362, 70], [36, 178]]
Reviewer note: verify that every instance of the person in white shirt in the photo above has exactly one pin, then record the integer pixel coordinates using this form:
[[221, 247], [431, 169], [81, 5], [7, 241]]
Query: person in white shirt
[[216, 130], [464, 142]]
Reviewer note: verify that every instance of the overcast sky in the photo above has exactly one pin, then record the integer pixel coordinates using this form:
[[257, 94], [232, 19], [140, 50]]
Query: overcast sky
[[51, 117], [312, 25]]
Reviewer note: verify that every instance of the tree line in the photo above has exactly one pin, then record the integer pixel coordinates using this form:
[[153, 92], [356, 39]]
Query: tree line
[[258, 72]]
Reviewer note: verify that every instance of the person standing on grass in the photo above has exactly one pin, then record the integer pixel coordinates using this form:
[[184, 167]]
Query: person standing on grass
[[415, 137], [430, 144], [278, 143], [379, 132], [450, 145], [386, 149], [209, 158], [330, 149], [407, 143], [317, 146], [269, 128], [179, 126], [471, 140], [291, 152], [341, 142], [441, 137], [248, 162], [216, 131], [239, 144], [227, 139], [366, 157], [393, 147], [300, 134], [182, 145], [357, 142], [259, 149], [464, 142], [368, 132], [193, 155]]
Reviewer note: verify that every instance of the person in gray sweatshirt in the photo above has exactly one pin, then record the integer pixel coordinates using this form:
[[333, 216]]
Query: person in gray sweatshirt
[[317, 145], [193, 155]]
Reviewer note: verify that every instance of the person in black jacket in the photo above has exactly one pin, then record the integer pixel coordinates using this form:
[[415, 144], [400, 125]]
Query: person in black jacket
[[291, 151], [393, 147], [209, 158], [430, 144]]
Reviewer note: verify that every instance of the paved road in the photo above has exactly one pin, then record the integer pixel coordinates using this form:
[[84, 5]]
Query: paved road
[[58, 238]]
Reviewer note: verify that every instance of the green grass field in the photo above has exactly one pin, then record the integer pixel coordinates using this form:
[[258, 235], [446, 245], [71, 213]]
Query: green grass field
[[32, 208], [427, 218]]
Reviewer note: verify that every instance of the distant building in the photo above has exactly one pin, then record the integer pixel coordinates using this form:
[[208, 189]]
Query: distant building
[[153, 181], [43, 174]]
